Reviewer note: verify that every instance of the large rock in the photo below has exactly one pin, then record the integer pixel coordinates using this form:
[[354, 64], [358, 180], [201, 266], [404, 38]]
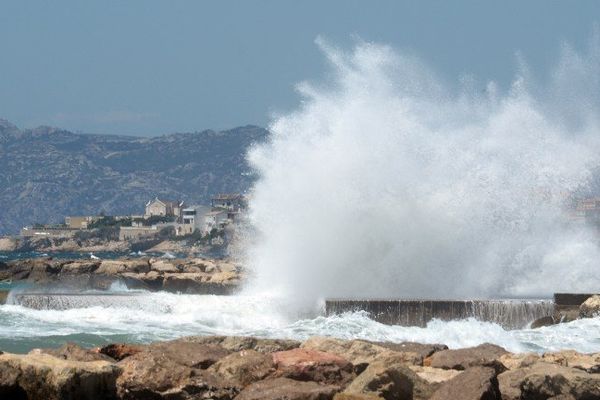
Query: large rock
[[119, 351], [360, 353], [434, 375], [570, 358], [244, 367], [239, 343], [162, 266], [287, 389], [590, 308], [44, 377], [73, 352], [475, 383], [543, 380], [483, 355], [195, 355], [424, 350], [390, 381], [313, 365], [519, 360], [158, 375]]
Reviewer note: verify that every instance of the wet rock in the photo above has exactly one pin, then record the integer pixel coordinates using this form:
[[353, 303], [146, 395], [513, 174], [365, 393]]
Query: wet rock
[[475, 383], [544, 321], [590, 308], [150, 281], [73, 352], [44, 377], [390, 381], [244, 367], [570, 358], [287, 389], [119, 351], [483, 355], [313, 365]]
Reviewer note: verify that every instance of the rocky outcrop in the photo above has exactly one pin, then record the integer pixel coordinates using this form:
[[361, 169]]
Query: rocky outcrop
[[194, 275], [475, 383], [487, 355], [228, 368], [590, 308], [42, 376]]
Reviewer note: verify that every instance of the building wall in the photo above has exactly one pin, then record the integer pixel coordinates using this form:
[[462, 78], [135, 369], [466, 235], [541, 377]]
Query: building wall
[[135, 232], [156, 208]]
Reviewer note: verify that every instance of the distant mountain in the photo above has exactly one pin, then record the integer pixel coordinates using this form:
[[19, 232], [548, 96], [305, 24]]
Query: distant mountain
[[47, 173]]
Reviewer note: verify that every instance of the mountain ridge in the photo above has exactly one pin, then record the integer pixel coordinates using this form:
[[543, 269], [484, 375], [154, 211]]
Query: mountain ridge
[[48, 173]]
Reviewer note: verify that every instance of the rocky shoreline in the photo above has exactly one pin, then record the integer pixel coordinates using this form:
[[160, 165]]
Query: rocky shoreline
[[190, 275], [246, 368]]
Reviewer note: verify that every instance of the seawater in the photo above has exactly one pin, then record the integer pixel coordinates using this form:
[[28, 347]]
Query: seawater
[[162, 316]]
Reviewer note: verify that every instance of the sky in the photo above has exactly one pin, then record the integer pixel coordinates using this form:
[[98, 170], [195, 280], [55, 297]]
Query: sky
[[149, 67]]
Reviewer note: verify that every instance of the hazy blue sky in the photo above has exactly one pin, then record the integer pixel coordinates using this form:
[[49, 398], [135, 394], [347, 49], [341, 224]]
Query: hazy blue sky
[[148, 67]]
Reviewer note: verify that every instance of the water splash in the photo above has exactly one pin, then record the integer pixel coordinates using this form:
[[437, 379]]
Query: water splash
[[388, 183]]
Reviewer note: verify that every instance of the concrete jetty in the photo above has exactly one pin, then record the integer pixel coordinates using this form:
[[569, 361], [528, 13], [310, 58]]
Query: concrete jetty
[[511, 314]]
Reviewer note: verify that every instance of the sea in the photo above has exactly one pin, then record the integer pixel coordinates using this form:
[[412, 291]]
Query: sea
[[135, 316]]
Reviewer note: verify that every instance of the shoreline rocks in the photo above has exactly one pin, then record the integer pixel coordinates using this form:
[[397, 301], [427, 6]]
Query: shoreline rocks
[[227, 368], [191, 275]]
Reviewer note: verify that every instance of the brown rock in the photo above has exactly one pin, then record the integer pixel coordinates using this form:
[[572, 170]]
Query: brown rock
[[519, 360], [423, 350], [155, 375], [570, 358], [544, 321], [360, 353], [434, 375], [73, 352], [543, 380], [42, 376], [80, 267], [313, 365], [190, 354], [244, 367], [111, 267], [162, 266], [348, 396], [390, 381], [590, 308], [119, 351], [239, 343], [475, 383], [483, 355], [287, 389]]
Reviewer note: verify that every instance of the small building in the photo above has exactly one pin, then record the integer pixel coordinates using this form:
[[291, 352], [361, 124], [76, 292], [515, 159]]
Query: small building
[[215, 220], [163, 208], [136, 232], [80, 222], [232, 202]]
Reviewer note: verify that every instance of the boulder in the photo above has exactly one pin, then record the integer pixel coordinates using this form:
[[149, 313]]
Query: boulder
[[44, 377], [570, 358], [150, 281], [543, 380], [73, 352], [390, 381], [244, 367], [544, 321], [423, 350], [156, 375], [239, 343], [360, 353], [434, 375], [287, 389], [590, 308], [119, 351], [162, 266], [348, 396], [313, 365], [475, 383], [486, 355], [519, 360], [80, 267], [189, 354], [111, 267]]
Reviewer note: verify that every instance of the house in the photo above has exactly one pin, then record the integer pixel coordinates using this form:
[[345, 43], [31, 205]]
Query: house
[[192, 219], [232, 202], [215, 220], [163, 208]]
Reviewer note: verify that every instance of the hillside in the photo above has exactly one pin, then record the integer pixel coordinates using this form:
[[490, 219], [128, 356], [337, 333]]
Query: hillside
[[47, 173]]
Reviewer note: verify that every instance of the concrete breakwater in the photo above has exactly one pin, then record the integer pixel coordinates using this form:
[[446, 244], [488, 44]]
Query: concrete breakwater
[[510, 314]]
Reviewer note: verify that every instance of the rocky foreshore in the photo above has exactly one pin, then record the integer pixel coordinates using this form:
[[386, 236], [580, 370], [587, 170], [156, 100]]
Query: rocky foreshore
[[245, 368], [190, 275]]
